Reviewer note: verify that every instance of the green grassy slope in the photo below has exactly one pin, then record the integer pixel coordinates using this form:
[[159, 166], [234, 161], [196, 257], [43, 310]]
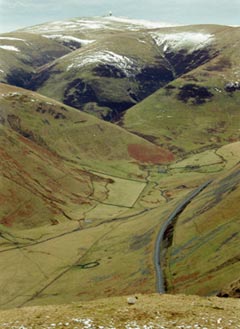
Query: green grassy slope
[[72, 134], [118, 65], [204, 255], [194, 111], [60, 196], [112, 78], [21, 53]]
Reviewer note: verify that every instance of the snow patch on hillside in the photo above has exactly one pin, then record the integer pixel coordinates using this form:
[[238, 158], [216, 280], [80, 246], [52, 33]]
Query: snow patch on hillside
[[97, 23], [68, 38], [141, 41], [138, 23], [180, 40], [124, 63], [11, 94], [64, 26], [11, 48], [12, 39], [91, 24]]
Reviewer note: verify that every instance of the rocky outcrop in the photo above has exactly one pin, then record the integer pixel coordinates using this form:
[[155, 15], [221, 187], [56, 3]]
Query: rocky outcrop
[[232, 290], [232, 86]]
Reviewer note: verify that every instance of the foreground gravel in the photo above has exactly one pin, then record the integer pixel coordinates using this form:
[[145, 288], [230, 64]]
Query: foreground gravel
[[148, 312]]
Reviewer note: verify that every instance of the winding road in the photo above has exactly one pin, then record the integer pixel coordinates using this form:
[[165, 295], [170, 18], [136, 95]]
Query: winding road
[[157, 252]]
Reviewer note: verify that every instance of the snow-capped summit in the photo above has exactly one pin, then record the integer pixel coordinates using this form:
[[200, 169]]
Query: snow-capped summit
[[96, 23]]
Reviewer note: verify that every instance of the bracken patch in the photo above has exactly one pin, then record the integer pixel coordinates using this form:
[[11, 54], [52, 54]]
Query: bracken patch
[[150, 153]]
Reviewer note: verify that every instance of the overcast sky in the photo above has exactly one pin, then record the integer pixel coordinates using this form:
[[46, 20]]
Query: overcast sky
[[21, 13]]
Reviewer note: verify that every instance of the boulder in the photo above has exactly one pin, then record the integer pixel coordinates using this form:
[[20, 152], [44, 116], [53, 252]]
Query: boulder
[[132, 300]]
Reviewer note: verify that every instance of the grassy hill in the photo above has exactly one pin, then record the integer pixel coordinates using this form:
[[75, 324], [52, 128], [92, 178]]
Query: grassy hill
[[132, 64], [204, 248], [75, 232], [73, 135], [22, 53], [83, 200], [60, 180], [114, 63], [197, 104]]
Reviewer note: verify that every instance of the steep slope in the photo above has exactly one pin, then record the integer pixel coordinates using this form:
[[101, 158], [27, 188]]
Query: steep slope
[[109, 76], [57, 209], [112, 74], [73, 135], [115, 62], [37, 188], [201, 104], [105, 245], [203, 253], [21, 53]]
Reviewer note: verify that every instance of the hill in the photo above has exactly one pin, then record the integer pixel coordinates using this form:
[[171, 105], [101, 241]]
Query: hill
[[22, 53], [93, 209], [133, 59], [60, 180], [146, 77], [204, 247], [197, 104], [74, 229]]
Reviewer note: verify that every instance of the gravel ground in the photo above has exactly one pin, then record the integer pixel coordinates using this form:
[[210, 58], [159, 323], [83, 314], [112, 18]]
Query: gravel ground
[[149, 312]]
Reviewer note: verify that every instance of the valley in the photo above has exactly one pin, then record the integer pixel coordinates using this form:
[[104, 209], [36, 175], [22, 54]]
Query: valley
[[120, 145]]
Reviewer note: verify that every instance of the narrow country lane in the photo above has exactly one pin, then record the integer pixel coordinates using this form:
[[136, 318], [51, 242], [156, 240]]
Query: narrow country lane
[[157, 252]]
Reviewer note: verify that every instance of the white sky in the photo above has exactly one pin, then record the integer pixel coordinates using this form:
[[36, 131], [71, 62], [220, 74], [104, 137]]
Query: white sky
[[21, 13]]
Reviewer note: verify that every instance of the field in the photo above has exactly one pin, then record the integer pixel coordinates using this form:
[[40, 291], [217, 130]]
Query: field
[[107, 250]]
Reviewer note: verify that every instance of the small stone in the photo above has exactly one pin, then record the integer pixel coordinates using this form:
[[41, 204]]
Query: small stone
[[132, 300]]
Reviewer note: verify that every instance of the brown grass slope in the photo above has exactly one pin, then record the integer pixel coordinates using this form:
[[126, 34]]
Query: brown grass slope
[[204, 254], [73, 135], [108, 249], [59, 182], [107, 225], [37, 187]]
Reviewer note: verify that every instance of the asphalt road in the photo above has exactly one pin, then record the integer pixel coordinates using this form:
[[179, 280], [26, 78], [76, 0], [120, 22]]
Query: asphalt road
[[157, 253]]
